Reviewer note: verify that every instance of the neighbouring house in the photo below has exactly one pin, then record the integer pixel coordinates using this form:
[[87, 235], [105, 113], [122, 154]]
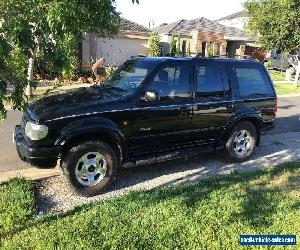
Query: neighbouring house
[[237, 20], [132, 40], [203, 34]]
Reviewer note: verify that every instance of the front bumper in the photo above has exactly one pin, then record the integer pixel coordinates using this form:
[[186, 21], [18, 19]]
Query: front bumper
[[40, 156]]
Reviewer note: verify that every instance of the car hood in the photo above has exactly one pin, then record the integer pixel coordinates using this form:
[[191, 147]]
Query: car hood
[[73, 102]]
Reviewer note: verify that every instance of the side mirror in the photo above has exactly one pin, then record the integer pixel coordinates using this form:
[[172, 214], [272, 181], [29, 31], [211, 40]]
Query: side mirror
[[150, 96]]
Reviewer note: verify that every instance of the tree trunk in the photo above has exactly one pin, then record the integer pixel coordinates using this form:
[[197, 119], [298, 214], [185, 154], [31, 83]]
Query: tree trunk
[[28, 90], [31, 60]]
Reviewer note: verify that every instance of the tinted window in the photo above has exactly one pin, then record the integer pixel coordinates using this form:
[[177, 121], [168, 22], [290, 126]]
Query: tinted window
[[252, 81], [212, 81], [172, 83]]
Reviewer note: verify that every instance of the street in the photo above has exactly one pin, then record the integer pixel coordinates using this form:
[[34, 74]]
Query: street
[[288, 120]]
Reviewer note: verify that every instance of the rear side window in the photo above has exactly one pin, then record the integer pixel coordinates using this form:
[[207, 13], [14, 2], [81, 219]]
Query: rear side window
[[252, 81], [212, 81]]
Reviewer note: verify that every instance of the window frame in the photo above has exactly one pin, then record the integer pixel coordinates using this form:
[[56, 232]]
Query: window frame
[[225, 77]]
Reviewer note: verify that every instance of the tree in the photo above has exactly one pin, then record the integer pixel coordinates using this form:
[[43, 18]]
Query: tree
[[189, 48], [154, 45], [276, 23], [172, 45], [178, 46], [9, 75], [33, 27]]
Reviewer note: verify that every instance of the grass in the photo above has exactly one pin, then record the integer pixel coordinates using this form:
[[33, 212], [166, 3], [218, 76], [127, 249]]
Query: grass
[[16, 206], [286, 88], [210, 214], [277, 75]]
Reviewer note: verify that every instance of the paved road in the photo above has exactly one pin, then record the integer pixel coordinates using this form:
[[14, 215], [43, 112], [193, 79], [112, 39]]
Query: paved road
[[288, 121]]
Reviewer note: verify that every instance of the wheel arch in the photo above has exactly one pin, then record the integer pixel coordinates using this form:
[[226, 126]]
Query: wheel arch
[[100, 129], [111, 139], [255, 119]]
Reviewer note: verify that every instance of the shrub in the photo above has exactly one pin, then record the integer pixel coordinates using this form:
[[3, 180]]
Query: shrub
[[172, 45], [210, 51], [154, 45], [259, 54], [178, 46], [189, 48]]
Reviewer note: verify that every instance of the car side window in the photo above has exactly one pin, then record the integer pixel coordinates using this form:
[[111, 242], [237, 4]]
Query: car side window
[[212, 81], [252, 81], [172, 83]]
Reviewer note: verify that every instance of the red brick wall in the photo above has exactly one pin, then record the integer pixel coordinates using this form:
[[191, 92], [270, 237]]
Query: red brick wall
[[212, 37]]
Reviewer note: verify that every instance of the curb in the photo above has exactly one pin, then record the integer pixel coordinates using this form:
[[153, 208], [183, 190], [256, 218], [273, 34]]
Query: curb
[[29, 173], [289, 95]]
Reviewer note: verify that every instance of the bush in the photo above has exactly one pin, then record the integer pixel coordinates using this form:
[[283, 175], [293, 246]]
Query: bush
[[60, 59], [259, 54], [172, 45], [154, 45], [178, 46], [210, 51], [189, 48]]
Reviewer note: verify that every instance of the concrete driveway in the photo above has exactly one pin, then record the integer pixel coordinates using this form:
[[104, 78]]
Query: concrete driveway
[[288, 121], [9, 159]]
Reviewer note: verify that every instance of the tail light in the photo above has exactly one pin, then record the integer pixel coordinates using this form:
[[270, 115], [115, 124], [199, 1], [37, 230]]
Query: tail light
[[276, 106]]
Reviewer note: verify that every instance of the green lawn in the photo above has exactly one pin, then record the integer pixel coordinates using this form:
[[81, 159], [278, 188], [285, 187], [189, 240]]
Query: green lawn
[[210, 214], [277, 75], [286, 88]]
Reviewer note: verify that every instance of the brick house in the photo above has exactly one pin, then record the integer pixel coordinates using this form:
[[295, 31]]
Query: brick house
[[132, 40], [203, 33]]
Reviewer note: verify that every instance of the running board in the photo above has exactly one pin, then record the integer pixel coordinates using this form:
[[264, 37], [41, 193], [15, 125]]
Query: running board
[[178, 154]]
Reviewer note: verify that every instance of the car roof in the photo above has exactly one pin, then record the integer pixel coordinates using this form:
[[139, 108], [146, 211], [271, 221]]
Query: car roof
[[200, 59]]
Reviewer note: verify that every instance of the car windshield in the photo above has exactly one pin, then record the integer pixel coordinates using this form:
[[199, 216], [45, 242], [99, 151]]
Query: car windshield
[[128, 77]]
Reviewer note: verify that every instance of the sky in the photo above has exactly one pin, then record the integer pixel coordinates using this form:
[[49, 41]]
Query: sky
[[166, 11]]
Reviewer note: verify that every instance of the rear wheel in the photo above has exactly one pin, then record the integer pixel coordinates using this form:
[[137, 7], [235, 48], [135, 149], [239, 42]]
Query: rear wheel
[[90, 167], [241, 142]]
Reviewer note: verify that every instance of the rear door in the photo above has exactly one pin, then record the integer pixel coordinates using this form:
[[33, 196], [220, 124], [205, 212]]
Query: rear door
[[214, 103]]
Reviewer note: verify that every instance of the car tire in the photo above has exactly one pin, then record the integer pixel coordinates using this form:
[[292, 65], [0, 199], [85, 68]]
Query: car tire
[[90, 167], [241, 142]]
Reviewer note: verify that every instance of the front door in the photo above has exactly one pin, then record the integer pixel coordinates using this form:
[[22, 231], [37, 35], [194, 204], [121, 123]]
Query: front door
[[213, 101], [163, 123]]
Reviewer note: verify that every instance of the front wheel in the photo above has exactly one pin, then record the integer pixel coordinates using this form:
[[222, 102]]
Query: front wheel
[[90, 167], [241, 142]]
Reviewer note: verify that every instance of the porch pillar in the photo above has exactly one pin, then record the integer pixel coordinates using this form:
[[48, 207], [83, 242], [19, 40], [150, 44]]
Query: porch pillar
[[206, 49], [223, 48], [242, 51]]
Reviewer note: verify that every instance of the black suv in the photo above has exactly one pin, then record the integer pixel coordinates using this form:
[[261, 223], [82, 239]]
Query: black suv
[[149, 109]]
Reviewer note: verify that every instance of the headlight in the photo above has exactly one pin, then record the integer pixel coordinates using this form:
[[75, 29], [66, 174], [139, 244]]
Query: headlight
[[35, 132]]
